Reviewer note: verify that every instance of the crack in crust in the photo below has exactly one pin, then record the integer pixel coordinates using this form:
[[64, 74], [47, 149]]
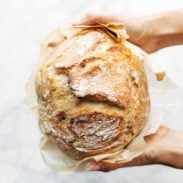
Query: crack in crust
[[102, 80]]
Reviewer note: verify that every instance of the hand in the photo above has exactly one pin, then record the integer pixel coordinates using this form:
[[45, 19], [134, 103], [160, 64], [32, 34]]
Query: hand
[[138, 28], [151, 32], [165, 147]]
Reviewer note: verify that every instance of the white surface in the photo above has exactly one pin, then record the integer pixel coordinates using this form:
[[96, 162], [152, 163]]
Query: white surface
[[24, 23]]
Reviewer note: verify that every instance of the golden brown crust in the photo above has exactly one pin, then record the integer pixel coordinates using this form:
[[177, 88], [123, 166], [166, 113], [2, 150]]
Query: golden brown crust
[[102, 80], [92, 95]]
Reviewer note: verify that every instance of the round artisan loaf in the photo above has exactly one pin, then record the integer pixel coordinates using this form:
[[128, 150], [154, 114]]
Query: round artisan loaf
[[92, 94]]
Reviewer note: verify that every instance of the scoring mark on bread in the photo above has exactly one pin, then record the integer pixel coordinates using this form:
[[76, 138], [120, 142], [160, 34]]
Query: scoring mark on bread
[[102, 128]]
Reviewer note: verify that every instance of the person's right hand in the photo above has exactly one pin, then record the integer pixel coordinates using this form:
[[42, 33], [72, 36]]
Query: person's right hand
[[138, 28], [165, 147]]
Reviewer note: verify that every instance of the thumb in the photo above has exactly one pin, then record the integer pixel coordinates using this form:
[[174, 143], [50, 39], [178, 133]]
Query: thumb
[[92, 18]]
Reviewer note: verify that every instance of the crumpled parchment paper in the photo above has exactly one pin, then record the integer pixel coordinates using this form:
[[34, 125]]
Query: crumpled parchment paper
[[51, 154]]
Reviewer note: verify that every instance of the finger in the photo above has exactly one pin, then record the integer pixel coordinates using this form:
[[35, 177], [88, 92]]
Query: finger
[[139, 161], [105, 166], [87, 19], [94, 166], [91, 19]]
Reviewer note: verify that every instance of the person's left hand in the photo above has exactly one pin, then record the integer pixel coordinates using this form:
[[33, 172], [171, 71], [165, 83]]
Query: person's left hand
[[139, 28]]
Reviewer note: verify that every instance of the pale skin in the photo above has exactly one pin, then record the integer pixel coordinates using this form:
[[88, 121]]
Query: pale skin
[[151, 33]]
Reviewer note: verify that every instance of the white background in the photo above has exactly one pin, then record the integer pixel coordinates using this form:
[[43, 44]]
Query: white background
[[23, 24]]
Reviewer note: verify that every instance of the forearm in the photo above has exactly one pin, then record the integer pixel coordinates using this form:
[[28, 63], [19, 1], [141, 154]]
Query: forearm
[[166, 28]]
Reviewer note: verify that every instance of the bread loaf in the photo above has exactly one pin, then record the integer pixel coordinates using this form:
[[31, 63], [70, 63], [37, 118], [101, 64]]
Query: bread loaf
[[92, 94]]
